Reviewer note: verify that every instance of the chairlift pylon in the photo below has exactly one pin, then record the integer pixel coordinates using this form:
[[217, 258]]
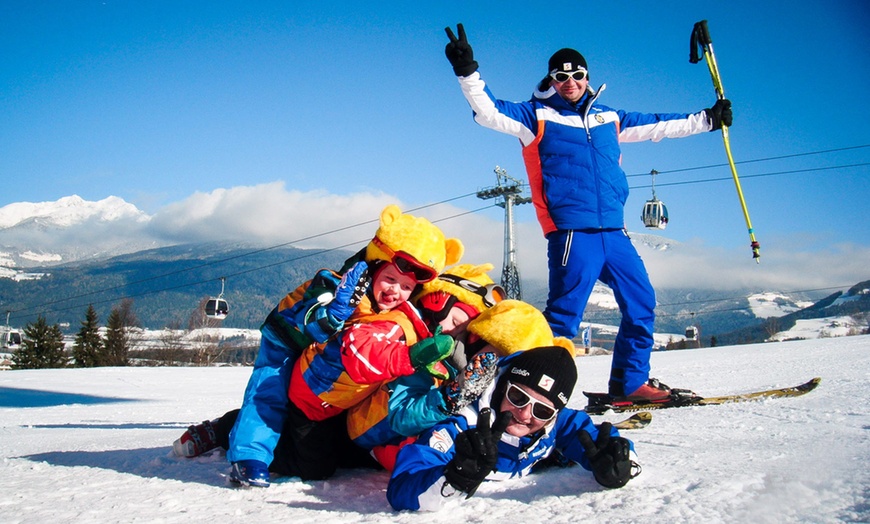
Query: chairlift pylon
[[217, 307], [655, 213]]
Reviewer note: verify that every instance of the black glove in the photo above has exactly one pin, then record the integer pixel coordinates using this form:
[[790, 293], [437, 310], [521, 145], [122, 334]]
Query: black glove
[[459, 52], [609, 457], [476, 453], [720, 114]]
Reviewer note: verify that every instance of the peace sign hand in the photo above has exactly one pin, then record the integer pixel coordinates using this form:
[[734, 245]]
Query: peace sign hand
[[476, 452], [459, 52]]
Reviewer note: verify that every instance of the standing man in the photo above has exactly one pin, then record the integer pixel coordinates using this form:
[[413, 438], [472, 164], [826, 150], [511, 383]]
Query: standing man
[[571, 151]]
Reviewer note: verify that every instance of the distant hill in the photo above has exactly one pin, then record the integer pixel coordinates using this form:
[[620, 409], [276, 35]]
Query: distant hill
[[855, 302], [167, 284]]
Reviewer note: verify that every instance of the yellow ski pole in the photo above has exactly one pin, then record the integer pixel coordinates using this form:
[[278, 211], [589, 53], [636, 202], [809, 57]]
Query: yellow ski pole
[[701, 41]]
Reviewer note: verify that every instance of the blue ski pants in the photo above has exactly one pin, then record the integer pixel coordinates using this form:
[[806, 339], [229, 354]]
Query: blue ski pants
[[576, 259], [265, 405]]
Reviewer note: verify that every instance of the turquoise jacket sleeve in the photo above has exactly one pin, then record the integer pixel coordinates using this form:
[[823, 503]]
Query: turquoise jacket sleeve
[[416, 404]]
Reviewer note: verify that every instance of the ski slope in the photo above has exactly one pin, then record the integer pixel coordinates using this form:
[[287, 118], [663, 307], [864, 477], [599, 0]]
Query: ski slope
[[93, 445]]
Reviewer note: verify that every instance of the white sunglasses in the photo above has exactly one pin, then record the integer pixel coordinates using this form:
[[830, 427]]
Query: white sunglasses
[[561, 76]]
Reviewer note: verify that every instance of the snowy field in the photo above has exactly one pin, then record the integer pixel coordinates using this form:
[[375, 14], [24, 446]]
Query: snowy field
[[93, 445]]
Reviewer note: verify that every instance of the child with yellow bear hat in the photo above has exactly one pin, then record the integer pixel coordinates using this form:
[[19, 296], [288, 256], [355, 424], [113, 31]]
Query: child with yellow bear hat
[[446, 303], [339, 352]]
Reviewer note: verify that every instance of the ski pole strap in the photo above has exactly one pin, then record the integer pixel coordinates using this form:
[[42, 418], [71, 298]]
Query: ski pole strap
[[700, 41]]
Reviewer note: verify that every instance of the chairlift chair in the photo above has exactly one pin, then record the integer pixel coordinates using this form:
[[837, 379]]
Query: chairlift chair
[[655, 213], [11, 339], [217, 307]]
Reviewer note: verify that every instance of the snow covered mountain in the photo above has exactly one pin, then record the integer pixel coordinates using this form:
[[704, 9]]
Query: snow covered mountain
[[43, 234]]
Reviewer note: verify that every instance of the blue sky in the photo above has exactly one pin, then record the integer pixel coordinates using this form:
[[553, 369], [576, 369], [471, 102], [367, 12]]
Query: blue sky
[[225, 111]]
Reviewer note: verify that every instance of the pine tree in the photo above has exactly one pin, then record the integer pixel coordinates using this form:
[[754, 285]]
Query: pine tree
[[117, 341], [41, 348], [88, 350]]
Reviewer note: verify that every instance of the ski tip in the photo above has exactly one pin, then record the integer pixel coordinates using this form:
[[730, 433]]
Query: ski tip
[[811, 385]]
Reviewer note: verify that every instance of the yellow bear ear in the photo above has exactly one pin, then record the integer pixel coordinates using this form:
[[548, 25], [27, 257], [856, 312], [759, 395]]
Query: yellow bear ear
[[390, 214], [454, 249], [565, 343]]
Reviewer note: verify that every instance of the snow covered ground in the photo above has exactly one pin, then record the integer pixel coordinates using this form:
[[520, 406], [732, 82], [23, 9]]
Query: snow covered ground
[[94, 445]]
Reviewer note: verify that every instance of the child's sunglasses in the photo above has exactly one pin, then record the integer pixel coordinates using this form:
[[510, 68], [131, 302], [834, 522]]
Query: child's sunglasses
[[491, 294], [406, 264]]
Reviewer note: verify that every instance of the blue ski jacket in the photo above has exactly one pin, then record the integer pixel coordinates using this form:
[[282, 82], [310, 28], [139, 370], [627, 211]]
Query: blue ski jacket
[[572, 152]]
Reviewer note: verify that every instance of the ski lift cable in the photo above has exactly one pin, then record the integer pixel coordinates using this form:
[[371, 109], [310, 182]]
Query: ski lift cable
[[459, 197], [781, 157], [451, 199], [318, 235], [234, 257], [759, 175], [191, 284]]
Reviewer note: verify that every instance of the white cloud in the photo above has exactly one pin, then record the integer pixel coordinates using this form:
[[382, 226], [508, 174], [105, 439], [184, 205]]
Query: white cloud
[[271, 214], [692, 264]]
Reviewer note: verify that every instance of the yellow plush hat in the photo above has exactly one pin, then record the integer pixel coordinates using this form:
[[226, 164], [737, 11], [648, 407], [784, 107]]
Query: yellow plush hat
[[449, 282], [414, 236], [513, 325]]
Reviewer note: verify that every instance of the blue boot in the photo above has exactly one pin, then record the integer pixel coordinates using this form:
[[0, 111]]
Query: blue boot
[[250, 473]]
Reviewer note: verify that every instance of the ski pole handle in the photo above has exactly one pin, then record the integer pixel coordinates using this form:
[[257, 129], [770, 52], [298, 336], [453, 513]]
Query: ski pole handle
[[699, 41]]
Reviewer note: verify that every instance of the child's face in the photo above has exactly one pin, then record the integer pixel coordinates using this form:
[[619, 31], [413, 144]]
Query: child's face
[[391, 287], [455, 321]]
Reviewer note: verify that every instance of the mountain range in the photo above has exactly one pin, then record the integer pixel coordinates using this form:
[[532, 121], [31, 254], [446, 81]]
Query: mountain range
[[56, 258]]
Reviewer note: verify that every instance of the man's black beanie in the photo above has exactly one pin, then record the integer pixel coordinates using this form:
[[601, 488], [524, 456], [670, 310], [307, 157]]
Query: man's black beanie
[[549, 370], [566, 60]]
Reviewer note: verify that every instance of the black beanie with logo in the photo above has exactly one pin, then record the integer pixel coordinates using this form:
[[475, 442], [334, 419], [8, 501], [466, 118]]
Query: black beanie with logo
[[549, 370], [567, 60]]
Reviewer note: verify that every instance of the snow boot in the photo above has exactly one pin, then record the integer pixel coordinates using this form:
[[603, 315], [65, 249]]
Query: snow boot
[[196, 440], [250, 473], [652, 391]]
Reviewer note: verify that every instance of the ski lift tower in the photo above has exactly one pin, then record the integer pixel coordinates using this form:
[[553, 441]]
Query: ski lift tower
[[508, 193]]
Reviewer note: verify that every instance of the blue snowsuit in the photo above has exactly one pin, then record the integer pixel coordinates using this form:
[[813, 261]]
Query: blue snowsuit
[[572, 157], [418, 478], [285, 333]]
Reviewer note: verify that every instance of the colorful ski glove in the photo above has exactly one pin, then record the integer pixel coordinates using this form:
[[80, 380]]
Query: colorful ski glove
[[720, 114], [470, 383], [459, 53], [476, 453], [328, 315], [428, 353], [351, 289], [610, 457]]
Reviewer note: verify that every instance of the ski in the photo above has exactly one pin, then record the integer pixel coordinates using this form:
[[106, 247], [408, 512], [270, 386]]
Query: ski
[[600, 403], [636, 421]]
